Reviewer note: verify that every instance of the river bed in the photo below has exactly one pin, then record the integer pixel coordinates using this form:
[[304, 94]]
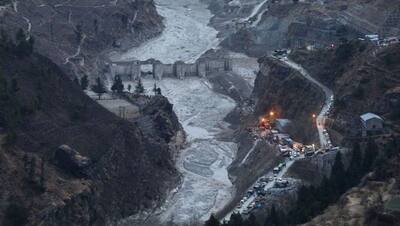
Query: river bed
[[206, 187], [186, 36], [203, 164]]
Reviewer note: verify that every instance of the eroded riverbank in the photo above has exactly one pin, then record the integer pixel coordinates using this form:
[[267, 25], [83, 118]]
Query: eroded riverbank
[[205, 186], [185, 38]]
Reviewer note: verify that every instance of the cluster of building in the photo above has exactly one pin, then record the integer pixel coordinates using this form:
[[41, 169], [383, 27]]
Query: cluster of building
[[383, 42]]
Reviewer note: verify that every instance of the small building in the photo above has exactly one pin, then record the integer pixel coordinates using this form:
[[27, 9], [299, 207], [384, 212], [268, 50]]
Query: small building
[[282, 124], [371, 124]]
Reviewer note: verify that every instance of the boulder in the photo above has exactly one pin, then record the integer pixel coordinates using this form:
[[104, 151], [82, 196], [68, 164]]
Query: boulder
[[71, 161]]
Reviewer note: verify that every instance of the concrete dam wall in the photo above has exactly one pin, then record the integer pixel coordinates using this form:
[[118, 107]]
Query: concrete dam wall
[[132, 70]]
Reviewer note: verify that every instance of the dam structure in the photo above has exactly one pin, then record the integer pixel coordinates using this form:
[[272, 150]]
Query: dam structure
[[132, 70]]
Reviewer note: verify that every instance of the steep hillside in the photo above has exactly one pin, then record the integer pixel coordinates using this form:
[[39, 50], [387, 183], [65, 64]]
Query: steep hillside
[[370, 202], [73, 34], [285, 91], [364, 78], [292, 24], [65, 160]]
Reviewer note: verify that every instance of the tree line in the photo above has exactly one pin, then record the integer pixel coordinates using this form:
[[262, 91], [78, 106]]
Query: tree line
[[23, 46], [11, 111], [313, 200], [117, 86]]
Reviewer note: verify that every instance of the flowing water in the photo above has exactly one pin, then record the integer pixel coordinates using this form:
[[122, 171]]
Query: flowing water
[[203, 164], [205, 187]]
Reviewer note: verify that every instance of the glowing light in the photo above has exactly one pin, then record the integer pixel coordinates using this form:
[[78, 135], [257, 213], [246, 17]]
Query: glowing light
[[271, 113], [314, 116]]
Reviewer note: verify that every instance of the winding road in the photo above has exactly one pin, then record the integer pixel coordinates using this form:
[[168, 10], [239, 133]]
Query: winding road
[[78, 50], [320, 122], [268, 186], [257, 12], [323, 138], [28, 36], [257, 9], [250, 151]]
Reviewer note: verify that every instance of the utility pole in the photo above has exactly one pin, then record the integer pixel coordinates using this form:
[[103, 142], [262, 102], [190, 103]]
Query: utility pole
[[122, 112]]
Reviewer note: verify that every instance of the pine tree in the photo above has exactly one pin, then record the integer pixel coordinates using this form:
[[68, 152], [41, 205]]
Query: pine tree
[[155, 89], [212, 221], [20, 42], [20, 36], [30, 45], [129, 87], [32, 171], [25, 160], [96, 26], [370, 155], [10, 109], [391, 148], [158, 92], [24, 45], [118, 85], [325, 192], [5, 41], [380, 166], [84, 82], [298, 215], [251, 221], [76, 81], [16, 214], [273, 217], [355, 168], [139, 89], [42, 176], [235, 220], [338, 176], [99, 88], [14, 85]]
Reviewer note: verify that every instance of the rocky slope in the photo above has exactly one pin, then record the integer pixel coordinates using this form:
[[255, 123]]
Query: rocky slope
[[65, 160], [284, 91], [73, 34], [285, 24], [364, 79], [369, 203]]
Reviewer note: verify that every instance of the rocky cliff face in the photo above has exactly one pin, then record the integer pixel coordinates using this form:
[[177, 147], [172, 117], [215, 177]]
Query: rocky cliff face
[[364, 78], [73, 34], [65, 160], [285, 91], [285, 24]]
